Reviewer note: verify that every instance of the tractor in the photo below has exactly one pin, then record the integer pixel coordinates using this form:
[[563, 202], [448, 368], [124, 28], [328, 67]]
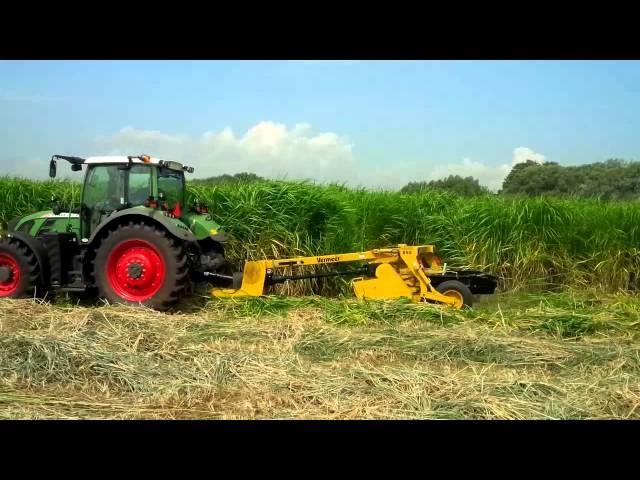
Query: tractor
[[131, 237]]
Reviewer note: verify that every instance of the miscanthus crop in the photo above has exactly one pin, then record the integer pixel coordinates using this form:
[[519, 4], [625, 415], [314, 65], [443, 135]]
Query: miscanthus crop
[[528, 242]]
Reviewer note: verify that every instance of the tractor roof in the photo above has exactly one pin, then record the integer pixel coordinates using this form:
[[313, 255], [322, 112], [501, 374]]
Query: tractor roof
[[120, 159], [137, 159]]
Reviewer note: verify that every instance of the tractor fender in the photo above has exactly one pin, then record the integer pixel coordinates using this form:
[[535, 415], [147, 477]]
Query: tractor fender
[[38, 250], [12, 223], [173, 225], [220, 237]]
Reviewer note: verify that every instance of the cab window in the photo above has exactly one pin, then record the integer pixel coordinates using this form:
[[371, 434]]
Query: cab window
[[139, 184], [171, 186], [104, 187]]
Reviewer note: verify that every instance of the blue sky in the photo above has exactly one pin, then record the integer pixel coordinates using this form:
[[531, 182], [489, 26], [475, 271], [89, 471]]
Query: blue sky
[[377, 123]]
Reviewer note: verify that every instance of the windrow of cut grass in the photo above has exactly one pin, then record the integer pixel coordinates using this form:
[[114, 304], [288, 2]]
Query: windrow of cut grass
[[552, 356], [529, 243]]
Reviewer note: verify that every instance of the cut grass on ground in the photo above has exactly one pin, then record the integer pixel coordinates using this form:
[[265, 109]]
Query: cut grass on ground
[[550, 356]]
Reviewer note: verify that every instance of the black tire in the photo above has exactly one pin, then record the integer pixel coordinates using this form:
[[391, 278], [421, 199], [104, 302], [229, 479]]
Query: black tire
[[214, 261], [173, 284], [29, 268], [215, 251], [460, 288]]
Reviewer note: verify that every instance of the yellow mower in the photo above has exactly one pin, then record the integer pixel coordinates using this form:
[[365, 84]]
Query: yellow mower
[[412, 272]]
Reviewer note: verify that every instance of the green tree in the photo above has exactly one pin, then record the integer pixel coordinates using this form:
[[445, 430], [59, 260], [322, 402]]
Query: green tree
[[614, 179], [243, 177], [463, 186]]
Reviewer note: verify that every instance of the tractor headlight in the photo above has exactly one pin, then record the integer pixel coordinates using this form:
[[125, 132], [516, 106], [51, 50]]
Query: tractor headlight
[[213, 231]]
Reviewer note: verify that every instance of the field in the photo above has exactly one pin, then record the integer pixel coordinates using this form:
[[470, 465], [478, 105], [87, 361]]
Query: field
[[555, 356], [558, 341]]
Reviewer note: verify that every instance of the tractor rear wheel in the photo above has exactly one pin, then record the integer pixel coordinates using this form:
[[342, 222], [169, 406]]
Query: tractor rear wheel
[[140, 264], [19, 269], [457, 290]]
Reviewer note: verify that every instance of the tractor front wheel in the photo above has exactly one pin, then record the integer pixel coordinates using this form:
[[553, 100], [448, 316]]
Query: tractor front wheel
[[139, 264], [19, 269], [457, 290]]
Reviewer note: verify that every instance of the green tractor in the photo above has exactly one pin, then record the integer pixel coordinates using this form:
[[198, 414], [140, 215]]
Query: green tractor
[[131, 237]]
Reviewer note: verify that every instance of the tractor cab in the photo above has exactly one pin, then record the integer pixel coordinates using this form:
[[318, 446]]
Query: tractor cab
[[115, 183], [111, 187]]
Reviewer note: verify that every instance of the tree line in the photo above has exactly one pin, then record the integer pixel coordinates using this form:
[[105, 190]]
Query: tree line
[[242, 177], [614, 179]]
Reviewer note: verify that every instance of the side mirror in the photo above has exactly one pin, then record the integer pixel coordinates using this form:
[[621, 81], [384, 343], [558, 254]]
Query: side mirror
[[52, 168], [55, 205]]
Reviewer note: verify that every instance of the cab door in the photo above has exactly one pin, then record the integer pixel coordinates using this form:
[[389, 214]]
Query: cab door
[[103, 192]]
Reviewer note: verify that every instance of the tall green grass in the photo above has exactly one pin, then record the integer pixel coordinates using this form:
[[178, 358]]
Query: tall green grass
[[529, 243], [19, 196]]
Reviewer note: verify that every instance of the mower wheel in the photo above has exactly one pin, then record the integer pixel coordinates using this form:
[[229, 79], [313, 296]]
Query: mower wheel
[[19, 269], [457, 290], [140, 264]]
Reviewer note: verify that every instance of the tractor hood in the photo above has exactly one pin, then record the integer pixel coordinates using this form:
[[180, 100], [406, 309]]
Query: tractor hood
[[16, 223], [203, 226]]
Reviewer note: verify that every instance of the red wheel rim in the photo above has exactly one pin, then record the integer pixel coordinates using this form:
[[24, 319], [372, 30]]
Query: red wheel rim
[[9, 286], [135, 270]]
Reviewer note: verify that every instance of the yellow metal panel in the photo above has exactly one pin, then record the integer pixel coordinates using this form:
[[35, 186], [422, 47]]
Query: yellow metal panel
[[253, 278], [323, 259], [388, 284]]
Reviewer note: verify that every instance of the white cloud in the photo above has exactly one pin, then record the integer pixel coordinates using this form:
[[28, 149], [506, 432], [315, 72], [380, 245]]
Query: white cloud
[[274, 150], [268, 149], [397, 174], [490, 176], [27, 167], [522, 154]]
